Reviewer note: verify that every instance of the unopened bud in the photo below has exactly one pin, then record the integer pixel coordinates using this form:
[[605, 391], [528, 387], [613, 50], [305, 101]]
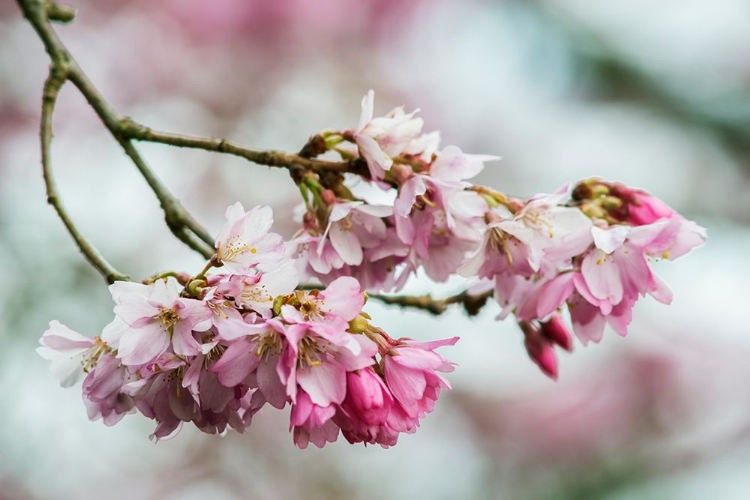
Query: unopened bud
[[277, 303], [359, 325], [556, 331], [183, 278], [328, 196], [542, 353], [539, 349]]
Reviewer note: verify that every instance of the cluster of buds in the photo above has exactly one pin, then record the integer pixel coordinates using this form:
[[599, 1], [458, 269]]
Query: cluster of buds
[[213, 349]]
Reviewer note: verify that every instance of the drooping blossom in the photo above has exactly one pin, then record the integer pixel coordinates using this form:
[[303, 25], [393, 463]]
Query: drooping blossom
[[70, 353], [411, 372]]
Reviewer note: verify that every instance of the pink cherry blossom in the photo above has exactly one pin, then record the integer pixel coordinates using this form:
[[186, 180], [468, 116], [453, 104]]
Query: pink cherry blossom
[[317, 362], [411, 373], [352, 228], [102, 393], [379, 139], [244, 241], [341, 300], [363, 415], [253, 361], [617, 268], [312, 423], [258, 291], [70, 352], [159, 319], [212, 348]]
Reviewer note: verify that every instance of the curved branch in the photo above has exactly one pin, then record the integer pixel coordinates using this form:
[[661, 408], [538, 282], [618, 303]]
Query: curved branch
[[178, 220], [52, 86]]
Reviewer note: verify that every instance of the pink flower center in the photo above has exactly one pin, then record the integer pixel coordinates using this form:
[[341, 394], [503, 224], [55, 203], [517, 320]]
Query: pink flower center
[[168, 317], [310, 353], [499, 243]]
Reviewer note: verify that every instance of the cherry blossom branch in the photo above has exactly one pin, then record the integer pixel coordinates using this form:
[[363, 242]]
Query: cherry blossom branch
[[39, 13], [52, 86]]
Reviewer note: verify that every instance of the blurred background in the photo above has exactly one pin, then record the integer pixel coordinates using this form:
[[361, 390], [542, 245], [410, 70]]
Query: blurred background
[[654, 94]]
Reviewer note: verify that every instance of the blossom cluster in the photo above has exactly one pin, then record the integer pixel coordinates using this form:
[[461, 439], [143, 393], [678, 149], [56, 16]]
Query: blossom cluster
[[214, 349], [585, 249]]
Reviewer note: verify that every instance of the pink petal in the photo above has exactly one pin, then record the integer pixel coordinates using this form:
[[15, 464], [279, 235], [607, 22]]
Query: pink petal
[[183, 341], [270, 383], [237, 362], [376, 159], [139, 346], [325, 383], [407, 195], [609, 240], [61, 338], [588, 322], [407, 385], [346, 244], [368, 104], [659, 290], [554, 293], [343, 298], [602, 277]]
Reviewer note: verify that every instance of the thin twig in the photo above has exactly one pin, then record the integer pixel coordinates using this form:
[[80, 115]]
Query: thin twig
[[180, 222], [176, 217], [133, 130], [472, 303], [52, 86]]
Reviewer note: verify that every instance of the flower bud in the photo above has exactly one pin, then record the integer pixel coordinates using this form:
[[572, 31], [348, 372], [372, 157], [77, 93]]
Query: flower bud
[[542, 353], [556, 331], [359, 325], [328, 196]]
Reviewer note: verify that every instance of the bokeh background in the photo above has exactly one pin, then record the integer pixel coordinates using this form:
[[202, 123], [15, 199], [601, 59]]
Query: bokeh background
[[654, 94]]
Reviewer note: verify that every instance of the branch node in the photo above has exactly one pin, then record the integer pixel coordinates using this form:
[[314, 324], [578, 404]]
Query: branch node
[[60, 13]]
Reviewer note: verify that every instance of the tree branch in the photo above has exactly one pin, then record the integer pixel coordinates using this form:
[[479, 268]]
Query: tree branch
[[133, 130], [471, 303], [52, 86], [179, 221]]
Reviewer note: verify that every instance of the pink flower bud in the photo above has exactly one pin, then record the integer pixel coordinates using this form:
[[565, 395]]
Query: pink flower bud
[[542, 353], [645, 209], [328, 196], [367, 397], [556, 331]]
